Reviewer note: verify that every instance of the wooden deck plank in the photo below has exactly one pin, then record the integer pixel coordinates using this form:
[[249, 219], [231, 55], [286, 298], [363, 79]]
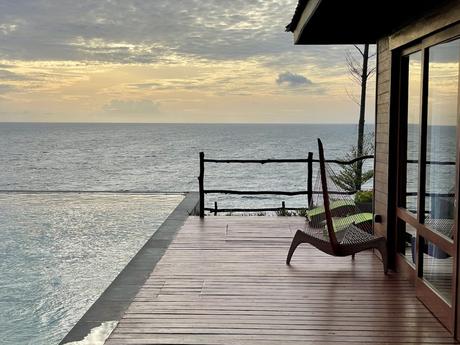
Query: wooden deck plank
[[224, 281]]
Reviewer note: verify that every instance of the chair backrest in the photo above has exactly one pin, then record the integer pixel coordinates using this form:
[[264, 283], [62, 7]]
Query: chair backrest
[[327, 209]]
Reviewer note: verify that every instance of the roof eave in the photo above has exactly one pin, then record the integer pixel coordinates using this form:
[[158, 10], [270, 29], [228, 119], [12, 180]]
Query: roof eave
[[355, 22], [308, 11]]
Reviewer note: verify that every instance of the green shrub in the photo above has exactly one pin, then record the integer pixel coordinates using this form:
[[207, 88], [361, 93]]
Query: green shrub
[[303, 212], [351, 177], [363, 196], [284, 213]]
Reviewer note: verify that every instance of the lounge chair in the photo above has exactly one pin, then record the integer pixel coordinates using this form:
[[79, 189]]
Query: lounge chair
[[360, 220], [339, 208], [350, 240]]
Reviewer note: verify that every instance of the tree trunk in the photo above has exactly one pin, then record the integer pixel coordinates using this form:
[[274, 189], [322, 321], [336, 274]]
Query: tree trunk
[[362, 113]]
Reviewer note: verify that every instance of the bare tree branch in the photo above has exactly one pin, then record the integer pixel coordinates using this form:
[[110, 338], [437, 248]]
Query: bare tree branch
[[371, 72], [355, 66], [359, 49], [352, 97], [359, 72]]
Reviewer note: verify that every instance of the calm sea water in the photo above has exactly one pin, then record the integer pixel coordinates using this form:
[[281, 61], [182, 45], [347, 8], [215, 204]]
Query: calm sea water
[[163, 157], [59, 251]]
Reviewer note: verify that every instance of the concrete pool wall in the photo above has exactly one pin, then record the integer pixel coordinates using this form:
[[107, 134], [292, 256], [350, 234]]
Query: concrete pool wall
[[113, 302]]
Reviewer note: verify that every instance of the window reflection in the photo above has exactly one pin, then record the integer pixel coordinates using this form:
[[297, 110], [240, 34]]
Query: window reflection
[[437, 269], [413, 130], [441, 136], [407, 241]]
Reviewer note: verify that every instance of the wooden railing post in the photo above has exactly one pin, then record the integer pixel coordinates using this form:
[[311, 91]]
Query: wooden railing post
[[310, 179], [215, 208], [201, 184]]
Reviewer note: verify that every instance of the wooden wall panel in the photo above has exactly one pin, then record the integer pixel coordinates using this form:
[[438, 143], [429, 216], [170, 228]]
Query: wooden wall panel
[[381, 134]]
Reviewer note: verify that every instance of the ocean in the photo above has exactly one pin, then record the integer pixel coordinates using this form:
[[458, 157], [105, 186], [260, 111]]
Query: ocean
[[163, 157], [61, 248]]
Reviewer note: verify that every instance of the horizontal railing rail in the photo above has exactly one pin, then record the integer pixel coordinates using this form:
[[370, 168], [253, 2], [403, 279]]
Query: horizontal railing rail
[[438, 195], [283, 208], [265, 161], [432, 162], [271, 192], [308, 191], [247, 210]]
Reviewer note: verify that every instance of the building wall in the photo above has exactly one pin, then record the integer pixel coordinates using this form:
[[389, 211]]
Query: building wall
[[439, 24], [382, 122], [439, 18]]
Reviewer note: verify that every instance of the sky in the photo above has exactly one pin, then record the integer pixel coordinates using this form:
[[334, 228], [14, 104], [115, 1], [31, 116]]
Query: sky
[[192, 61]]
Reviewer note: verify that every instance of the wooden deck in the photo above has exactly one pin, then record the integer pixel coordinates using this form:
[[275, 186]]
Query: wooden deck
[[224, 281]]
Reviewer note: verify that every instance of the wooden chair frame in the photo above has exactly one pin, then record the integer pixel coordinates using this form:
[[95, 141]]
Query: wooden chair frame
[[333, 246]]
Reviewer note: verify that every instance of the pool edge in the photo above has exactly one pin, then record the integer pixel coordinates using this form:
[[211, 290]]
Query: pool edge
[[113, 302]]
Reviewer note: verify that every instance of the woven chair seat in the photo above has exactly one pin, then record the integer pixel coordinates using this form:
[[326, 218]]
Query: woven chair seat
[[351, 235], [355, 235], [337, 227]]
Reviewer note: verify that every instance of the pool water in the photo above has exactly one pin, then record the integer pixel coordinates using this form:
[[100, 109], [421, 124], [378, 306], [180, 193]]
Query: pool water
[[60, 251]]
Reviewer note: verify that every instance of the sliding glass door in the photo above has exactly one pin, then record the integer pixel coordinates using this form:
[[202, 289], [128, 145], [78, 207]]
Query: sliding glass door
[[428, 171]]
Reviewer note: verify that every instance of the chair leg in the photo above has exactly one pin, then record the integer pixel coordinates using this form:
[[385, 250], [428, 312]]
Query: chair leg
[[383, 252], [295, 243]]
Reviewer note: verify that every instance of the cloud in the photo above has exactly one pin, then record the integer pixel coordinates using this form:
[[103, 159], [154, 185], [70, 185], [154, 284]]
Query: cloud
[[11, 76], [293, 80], [98, 49], [149, 86], [162, 57], [5, 88], [142, 31], [6, 29], [132, 107]]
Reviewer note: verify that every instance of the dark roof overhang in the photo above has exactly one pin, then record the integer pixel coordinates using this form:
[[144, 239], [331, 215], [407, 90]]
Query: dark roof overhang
[[355, 21]]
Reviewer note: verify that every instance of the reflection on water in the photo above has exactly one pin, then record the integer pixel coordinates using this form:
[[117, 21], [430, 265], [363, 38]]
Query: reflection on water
[[60, 251]]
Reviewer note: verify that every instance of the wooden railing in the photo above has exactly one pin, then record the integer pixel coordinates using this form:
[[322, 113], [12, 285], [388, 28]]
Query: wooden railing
[[308, 191]]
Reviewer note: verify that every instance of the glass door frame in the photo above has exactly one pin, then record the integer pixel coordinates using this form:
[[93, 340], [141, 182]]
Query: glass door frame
[[446, 312]]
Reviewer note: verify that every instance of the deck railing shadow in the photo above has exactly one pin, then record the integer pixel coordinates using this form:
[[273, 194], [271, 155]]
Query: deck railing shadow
[[309, 191]]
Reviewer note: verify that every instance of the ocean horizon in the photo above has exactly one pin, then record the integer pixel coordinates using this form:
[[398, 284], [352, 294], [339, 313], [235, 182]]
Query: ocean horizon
[[67, 154]]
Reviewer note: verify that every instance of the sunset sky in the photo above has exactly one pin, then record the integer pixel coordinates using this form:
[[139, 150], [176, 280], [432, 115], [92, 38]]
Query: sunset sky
[[167, 61]]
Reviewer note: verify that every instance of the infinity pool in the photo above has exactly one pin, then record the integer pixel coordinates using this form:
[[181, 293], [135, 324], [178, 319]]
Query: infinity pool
[[59, 252]]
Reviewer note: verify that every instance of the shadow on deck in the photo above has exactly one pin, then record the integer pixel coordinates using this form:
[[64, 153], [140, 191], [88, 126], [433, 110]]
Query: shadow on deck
[[224, 280]]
